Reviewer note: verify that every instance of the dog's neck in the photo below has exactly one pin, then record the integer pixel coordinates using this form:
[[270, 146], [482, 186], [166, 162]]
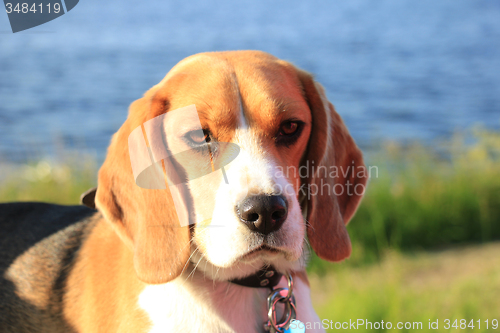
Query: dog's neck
[[192, 302], [218, 306], [215, 306]]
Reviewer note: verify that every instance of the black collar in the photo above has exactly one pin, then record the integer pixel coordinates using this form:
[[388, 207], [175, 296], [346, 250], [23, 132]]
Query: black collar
[[266, 277]]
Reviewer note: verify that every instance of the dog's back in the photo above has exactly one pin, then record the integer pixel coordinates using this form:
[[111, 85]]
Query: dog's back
[[38, 244]]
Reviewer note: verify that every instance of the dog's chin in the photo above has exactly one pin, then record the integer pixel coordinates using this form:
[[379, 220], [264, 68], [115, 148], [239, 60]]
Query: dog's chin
[[261, 253], [248, 263]]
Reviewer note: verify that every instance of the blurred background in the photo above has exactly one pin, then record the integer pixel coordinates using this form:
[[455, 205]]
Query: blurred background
[[417, 83]]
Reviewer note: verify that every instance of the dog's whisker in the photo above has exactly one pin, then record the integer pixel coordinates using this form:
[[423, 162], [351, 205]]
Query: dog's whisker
[[309, 225], [194, 269], [189, 259], [191, 241], [306, 241]]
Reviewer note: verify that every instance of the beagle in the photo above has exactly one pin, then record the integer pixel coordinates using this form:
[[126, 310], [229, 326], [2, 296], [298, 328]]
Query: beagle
[[130, 267]]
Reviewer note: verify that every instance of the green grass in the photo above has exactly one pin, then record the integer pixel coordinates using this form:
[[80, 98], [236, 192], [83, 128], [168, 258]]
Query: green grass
[[428, 198], [49, 181], [452, 284]]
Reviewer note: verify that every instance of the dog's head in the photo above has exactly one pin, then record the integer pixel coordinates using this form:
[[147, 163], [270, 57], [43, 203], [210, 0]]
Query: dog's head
[[298, 171]]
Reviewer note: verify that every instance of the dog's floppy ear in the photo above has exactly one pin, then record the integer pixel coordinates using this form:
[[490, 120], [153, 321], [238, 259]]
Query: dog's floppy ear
[[88, 198], [145, 219], [337, 176]]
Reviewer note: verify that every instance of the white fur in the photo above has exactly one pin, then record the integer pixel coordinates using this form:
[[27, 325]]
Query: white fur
[[226, 239], [198, 304]]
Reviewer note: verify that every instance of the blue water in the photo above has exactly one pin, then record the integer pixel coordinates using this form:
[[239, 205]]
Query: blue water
[[395, 69]]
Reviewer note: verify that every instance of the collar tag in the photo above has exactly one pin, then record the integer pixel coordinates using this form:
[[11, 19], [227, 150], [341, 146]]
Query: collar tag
[[287, 322], [296, 326]]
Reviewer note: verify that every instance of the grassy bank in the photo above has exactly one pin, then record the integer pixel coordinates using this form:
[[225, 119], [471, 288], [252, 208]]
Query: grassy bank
[[428, 198], [48, 181], [452, 284]]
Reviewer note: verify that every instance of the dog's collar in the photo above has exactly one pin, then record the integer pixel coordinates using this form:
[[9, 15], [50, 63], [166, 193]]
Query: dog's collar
[[266, 277]]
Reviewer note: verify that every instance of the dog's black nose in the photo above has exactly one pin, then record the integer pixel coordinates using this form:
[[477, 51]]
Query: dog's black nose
[[263, 213]]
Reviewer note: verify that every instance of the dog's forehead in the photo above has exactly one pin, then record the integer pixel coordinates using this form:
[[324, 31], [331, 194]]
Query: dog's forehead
[[231, 88], [270, 91]]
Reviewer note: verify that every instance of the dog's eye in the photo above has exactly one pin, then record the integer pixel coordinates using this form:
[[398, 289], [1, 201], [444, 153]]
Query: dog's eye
[[289, 128], [289, 132], [198, 138]]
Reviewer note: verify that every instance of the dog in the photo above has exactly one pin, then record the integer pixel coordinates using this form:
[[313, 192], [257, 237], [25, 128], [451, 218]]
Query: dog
[[128, 266]]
